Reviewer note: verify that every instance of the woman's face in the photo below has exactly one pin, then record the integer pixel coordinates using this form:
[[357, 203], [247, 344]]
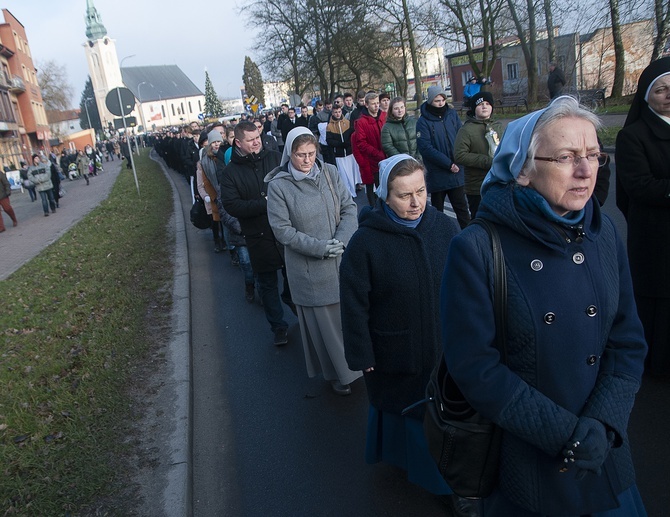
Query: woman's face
[[36, 160], [215, 146], [438, 101], [565, 187], [398, 110], [659, 96], [407, 195], [303, 157]]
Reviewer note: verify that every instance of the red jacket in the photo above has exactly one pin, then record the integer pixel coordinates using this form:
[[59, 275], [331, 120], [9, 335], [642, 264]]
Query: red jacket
[[366, 144]]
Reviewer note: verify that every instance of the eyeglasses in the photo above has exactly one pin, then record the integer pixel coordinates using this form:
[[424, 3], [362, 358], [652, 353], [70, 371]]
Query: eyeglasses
[[575, 159], [302, 156]]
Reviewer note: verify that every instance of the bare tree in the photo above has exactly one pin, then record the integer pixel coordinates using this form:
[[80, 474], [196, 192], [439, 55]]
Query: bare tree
[[662, 18], [619, 55], [56, 91]]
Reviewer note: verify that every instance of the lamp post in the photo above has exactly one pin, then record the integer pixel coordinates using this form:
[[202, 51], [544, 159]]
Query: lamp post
[[125, 130], [139, 93], [88, 117]]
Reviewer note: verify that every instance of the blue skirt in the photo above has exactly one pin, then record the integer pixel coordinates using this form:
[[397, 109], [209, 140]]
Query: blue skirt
[[400, 441]]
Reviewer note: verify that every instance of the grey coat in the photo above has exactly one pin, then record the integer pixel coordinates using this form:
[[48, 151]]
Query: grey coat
[[41, 177], [302, 215]]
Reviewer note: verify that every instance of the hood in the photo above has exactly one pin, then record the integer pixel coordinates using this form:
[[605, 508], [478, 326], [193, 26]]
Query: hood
[[278, 172], [498, 206], [375, 217], [295, 132]]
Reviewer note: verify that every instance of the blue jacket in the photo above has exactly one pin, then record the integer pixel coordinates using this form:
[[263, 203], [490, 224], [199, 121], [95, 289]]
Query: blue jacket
[[389, 295], [435, 138], [575, 347]]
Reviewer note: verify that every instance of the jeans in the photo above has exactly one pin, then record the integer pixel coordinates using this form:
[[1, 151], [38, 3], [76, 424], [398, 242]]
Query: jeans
[[268, 289], [245, 264], [48, 200], [32, 192]]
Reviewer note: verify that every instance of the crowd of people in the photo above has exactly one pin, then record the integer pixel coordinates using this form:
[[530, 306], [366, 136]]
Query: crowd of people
[[381, 292]]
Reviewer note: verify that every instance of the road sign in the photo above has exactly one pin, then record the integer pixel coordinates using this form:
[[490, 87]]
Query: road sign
[[201, 116], [127, 101]]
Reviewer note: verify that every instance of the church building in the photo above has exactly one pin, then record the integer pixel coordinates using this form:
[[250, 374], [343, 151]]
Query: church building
[[164, 95]]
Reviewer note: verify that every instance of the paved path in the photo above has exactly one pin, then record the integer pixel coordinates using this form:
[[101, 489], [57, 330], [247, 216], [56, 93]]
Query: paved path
[[35, 232]]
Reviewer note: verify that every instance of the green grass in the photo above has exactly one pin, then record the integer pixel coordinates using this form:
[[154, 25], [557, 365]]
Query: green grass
[[72, 330], [608, 135]]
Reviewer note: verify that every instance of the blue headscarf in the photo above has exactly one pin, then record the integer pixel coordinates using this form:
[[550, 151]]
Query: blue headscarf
[[512, 151], [385, 168]]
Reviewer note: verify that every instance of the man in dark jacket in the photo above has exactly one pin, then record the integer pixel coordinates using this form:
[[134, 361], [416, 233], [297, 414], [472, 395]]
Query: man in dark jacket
[[555, 80], [291, 121], [243, 193]]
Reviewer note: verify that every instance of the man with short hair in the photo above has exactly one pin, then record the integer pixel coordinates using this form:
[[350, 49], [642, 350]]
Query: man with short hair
[[555, 80], [243, 194], [269, 141], [290, 122], [360, 106], [348, 106], [366, 144]]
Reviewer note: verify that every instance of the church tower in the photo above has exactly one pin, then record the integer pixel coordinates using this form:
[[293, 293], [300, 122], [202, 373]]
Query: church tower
[[103, 63]]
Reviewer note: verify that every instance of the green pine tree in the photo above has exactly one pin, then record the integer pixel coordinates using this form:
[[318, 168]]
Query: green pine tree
[[253, 80], [213, 107], [88, 102]]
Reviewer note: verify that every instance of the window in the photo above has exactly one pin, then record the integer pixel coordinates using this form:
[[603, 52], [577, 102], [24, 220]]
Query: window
[[190, 109], [199, 106], [163, 110], [172, 106], [513, 71]]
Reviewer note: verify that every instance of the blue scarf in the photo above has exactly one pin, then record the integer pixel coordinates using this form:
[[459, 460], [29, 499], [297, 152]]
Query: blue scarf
[[532, 200], [399, 220]]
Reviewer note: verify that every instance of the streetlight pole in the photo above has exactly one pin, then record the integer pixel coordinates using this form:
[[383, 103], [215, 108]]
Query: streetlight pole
[[125, 130], [88, 117]]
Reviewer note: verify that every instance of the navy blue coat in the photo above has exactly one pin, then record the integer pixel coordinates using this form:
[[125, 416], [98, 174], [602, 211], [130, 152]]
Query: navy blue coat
[[435, 139], [575, 344], [389, 295]]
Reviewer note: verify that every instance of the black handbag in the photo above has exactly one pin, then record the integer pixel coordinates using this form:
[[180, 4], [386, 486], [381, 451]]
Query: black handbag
[[464, 444], [199, 216]]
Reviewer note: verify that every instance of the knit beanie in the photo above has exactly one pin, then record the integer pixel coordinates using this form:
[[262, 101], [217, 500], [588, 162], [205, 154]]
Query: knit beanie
[[480, 97], [214, 136], [433, 92]]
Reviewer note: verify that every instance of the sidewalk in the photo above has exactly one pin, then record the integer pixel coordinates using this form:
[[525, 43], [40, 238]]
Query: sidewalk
[[35, 232]]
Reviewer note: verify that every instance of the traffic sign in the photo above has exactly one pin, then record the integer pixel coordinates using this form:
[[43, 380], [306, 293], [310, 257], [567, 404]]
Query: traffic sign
[[127, 101]]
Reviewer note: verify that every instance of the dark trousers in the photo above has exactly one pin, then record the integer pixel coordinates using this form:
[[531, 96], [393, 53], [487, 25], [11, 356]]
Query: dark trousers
[[268, 289], [48, 200], [458, 202], [473, 203]]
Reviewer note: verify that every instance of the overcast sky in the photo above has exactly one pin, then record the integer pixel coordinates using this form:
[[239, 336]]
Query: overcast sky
[[191, 35]]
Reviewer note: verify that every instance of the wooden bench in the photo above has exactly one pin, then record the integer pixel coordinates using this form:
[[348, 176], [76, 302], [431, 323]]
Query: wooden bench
[[512, 102], [592, 98]]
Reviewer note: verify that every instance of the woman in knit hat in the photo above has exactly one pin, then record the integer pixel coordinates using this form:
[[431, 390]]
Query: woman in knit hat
[[643, 195], [476, 143], [389, 283], [575, 346], [208, 185]]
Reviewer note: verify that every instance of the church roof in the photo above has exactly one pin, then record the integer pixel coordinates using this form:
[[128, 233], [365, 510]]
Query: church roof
[[153, 83], [94, 27]]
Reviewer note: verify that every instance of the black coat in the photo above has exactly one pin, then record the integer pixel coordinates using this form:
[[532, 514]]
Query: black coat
[[555, 82], [643, 195], [389, 297], [244, 195]]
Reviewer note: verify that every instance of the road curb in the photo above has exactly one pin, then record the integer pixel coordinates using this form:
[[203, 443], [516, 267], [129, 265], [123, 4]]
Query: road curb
[[177, 500]]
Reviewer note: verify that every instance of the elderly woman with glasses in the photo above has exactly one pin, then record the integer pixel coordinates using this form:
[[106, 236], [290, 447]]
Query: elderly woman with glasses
[[313, 215], [574, 342]]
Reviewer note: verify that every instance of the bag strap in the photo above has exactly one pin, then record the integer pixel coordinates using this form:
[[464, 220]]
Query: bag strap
[[499, 286], [336, 200]]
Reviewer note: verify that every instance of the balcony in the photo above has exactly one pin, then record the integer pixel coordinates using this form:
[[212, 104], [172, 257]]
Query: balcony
[[16, 84]]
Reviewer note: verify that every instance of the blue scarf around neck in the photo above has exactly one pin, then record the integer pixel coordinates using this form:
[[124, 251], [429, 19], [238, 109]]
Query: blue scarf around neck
[[399, 220], [532, 200]]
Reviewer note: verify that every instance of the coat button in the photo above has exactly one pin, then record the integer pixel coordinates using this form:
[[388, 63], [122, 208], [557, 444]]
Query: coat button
[[536, 265], [591, 311], [591, 360], [549, 318], [578, 258]]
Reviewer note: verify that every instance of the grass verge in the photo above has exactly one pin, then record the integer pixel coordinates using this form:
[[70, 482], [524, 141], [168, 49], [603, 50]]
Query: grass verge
[[73, 330], [608, 135]]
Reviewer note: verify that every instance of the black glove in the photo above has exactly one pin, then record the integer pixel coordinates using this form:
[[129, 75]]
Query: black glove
[[589, 446]]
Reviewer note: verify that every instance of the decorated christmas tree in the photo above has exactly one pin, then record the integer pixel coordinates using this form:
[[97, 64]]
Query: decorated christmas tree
[[213, 107]]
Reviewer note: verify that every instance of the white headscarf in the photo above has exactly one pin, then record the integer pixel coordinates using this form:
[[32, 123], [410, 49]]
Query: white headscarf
[[295, 132]]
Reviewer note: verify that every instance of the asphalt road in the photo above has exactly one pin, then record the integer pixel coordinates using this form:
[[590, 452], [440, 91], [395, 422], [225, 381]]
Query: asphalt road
[[269, 441]]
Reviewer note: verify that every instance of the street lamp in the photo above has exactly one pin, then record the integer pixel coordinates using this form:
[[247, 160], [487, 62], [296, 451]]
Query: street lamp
[[139, 93], [88, 117]]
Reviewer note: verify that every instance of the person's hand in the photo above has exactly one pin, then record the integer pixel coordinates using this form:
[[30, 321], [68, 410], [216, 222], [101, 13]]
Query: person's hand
[[588, 447], [207, 199], [368, 370], [334, 248], [454, 168]]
